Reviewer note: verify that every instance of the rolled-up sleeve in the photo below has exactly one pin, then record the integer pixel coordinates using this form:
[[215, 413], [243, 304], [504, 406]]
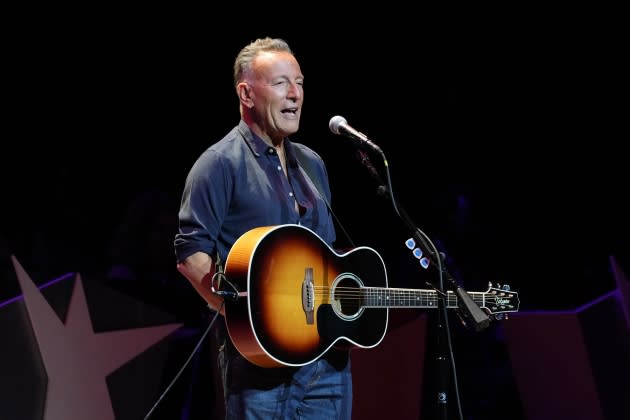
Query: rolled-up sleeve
[[202, 207]]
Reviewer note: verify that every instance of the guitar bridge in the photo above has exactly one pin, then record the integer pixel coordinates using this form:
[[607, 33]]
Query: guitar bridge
[[308, 295]]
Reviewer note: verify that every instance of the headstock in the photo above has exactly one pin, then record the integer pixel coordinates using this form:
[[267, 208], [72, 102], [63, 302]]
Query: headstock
[[500, 301]]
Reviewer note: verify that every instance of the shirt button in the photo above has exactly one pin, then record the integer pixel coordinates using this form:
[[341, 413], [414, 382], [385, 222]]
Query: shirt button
[[279, 167], [290, 194]]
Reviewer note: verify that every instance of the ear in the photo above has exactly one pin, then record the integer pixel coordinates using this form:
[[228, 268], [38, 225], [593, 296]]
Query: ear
[[244, 94]]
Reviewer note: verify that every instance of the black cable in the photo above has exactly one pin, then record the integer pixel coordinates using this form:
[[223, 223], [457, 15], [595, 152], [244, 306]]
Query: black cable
[[218, 278], [195, 350]]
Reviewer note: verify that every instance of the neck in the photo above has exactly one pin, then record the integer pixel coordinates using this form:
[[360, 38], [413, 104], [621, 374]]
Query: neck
[[257, 129]]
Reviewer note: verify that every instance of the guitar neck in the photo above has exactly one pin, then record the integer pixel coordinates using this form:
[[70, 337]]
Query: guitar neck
[[379, 297]]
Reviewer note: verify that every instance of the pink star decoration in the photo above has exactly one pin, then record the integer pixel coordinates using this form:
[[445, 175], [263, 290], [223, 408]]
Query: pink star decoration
[[77, 360]]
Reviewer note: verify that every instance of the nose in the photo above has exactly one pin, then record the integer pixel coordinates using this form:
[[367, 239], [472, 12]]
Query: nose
[[296, 91]]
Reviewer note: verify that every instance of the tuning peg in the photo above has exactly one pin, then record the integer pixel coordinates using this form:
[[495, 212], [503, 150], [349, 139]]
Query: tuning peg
[[506, 287]]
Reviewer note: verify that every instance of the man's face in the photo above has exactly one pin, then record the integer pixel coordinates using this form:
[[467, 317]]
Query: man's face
[[277, 92]]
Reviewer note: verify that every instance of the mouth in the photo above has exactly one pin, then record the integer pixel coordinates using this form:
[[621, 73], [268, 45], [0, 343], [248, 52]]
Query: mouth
[[290, 111]]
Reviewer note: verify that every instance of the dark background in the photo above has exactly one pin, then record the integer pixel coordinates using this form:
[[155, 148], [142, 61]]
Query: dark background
[[501, 130]]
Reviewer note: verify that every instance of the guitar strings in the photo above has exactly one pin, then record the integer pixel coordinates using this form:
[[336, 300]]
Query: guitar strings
[[361, 293]]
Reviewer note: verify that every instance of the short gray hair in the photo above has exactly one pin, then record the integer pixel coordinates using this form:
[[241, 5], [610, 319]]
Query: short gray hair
[[245, 57]]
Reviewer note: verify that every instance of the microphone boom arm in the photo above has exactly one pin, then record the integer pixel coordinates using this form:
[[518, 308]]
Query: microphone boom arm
[[472, 315]]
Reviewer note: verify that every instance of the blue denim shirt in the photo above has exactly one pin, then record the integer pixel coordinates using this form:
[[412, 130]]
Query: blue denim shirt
[[238, 184]]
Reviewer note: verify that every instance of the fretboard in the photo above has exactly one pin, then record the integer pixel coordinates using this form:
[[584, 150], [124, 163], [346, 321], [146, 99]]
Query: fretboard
[[378, 297]]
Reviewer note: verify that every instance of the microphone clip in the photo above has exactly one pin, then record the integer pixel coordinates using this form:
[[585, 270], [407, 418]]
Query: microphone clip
[[364, 159]]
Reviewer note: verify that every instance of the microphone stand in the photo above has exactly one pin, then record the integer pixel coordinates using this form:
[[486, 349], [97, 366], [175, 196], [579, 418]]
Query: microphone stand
[[468, 310]]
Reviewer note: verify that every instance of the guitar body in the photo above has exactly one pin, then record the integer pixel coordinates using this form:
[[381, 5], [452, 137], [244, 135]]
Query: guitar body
[[301, 296]]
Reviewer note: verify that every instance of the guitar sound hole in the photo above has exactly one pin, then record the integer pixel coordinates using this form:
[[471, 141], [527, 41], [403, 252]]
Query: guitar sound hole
[[347, 296]]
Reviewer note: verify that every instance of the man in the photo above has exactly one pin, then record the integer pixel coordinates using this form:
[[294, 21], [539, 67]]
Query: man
[[255, 176]]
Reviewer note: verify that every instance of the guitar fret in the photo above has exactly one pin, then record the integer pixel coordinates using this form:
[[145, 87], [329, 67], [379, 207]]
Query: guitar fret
[[391, 297]]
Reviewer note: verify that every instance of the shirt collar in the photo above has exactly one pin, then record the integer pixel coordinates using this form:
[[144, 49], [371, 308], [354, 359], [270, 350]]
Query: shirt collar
[[259, 147]]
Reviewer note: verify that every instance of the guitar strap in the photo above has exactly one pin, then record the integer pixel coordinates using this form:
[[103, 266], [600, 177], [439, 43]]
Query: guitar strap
[[310, 174]]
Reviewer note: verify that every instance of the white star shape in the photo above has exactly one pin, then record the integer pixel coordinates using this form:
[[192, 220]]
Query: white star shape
[[77, 360]]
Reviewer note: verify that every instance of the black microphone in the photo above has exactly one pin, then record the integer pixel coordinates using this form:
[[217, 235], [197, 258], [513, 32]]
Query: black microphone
[[339, 125]]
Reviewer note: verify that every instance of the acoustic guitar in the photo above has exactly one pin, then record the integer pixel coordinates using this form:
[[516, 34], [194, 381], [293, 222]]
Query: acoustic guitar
[[298, 297]]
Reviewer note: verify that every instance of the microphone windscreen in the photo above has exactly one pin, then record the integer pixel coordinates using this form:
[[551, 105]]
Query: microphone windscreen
[[336, 122]]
